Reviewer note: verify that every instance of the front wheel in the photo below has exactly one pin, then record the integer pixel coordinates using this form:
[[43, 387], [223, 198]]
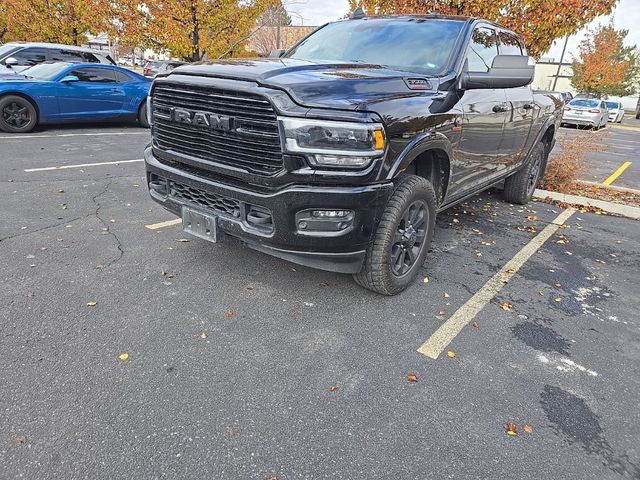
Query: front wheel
[[519, 187], [402, 239], [17, 114], [143, 120]]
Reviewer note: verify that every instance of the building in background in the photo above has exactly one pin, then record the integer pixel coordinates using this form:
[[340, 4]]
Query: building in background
[[273, 37]]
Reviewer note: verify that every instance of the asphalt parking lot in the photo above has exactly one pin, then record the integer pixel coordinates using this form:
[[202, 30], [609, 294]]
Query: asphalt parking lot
[[239, 365]]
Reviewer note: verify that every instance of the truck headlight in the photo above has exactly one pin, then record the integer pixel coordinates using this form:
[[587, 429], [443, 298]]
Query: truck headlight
[[334, 144]]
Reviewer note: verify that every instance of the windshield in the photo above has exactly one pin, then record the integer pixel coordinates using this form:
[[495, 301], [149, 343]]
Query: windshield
[[4, 49], [585, 103], [416, 45], [45, 71], [612, 105]]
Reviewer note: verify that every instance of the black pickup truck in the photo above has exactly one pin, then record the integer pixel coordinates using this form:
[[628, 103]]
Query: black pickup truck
[[338, 153]]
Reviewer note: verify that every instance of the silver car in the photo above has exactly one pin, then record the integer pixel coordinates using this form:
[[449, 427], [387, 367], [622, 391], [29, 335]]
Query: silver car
[[18, 56], [616, 111], [584, 111]]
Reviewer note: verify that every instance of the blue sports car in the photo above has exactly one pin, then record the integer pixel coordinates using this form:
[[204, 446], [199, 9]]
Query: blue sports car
[[70, 92]]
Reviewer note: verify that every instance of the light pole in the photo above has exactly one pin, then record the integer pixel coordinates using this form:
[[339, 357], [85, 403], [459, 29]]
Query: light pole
[[564, 48]]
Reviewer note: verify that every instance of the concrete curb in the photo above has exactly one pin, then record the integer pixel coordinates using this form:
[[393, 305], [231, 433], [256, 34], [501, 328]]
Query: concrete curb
[[610, 187], [609, 207]]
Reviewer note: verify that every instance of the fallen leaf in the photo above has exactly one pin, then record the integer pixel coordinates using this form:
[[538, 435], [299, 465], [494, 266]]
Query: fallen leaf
[[248, 289], [426, 280], [506, 306], [91, 304], [557, 285], [451, 354], [272, 477], [20, 439], [557, 299], [445, 295], [527, 428], [541, 293], [61, 190], [23, 228], [412, 377], [455, 220], [228, 314], [112, 220], [204, 335], [561, 241], [478, 254], [183, 240], [511, 429], [474, 324], [123, 356], [333, 388], [167, 274], [511, 271], [324, 284], [441, 312], [532, 218]]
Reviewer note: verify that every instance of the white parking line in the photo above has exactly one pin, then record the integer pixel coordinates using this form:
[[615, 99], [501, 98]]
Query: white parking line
[[81, 165], [435, 345], [97, 134]]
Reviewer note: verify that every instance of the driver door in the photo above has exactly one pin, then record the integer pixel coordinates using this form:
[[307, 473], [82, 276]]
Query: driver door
[[97, 94]]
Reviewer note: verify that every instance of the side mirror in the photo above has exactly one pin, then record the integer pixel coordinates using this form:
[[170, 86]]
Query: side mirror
[[69, 78], [507, 71], [11, 62], [277, 53]]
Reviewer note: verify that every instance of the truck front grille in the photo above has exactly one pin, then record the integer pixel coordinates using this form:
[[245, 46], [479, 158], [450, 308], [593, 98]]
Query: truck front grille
[[246, 138], [217, 203]]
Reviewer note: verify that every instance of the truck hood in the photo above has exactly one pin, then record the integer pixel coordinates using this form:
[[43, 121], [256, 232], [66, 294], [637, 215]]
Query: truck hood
[[329, 85]]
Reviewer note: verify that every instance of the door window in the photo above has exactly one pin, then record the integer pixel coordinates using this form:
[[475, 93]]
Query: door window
[[94, 75], [30, 56], [509, 44], [482, 49], [122, 77]]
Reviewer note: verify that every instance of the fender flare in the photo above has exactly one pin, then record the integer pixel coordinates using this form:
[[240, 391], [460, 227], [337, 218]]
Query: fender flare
[[551, 121], [419, 145]]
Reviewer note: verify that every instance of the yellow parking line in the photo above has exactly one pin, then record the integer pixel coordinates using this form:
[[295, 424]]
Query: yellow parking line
[[168, 223], [435, 345], [617, 173]]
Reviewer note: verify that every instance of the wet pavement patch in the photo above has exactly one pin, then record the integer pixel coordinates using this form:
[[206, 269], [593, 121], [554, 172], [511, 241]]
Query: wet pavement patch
[[541, 338]]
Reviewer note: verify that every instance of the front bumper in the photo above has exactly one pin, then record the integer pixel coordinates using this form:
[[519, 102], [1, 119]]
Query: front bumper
[[341, 251]]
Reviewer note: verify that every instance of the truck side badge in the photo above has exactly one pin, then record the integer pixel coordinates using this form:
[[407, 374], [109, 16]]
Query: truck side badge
[[417, 83]]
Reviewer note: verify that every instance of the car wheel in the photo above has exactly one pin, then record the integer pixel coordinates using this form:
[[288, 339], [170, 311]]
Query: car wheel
[[519, 187], [142, 115], [402, 240], [17, 114]]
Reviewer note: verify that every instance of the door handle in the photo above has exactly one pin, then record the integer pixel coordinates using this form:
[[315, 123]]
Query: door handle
[[528, 106], [500, 108]]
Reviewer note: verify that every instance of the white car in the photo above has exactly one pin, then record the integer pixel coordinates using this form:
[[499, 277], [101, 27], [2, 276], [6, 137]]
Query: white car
[[586, 111], [616, 111]]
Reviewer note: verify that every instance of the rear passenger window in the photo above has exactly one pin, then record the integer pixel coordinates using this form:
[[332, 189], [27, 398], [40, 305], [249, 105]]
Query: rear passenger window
[[94, 75], [482, 49], [122, 77], [509, 44]]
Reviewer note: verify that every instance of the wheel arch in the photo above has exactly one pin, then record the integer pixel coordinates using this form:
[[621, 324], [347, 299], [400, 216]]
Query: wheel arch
[[28, 98], [429, 157]]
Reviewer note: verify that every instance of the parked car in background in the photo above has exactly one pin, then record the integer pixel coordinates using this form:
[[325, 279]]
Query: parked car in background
[[583, 111], [566, 96], [156, 67], [64, 92], [616, 111], [18, 56]]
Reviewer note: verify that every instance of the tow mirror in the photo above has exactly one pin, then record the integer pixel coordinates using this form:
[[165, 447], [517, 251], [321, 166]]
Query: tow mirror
[[276, 53], [11, 62], [69, 78], [507, 71]]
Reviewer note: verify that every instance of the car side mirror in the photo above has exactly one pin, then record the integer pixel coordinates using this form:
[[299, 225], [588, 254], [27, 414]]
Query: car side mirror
[[11, 62], [507, 71], [276, 53], [69, 78]]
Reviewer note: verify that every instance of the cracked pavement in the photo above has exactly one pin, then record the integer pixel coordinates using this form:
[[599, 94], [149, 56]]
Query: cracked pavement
[[306, 377]]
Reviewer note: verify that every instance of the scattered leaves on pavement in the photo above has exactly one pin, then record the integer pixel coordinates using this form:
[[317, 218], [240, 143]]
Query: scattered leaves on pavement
[[123, 356], [183, 240], [324, 284], [506, 306], [333, 388], [412, 377], [557, 299], [248, 289], [511, 429], [451, 354], [445, 295], [474, 324], [92, 304], [541, 293], [228, 314], [61, 190], [204, 335], [425, 280], [167, 274], [511, 271], [527, 428]]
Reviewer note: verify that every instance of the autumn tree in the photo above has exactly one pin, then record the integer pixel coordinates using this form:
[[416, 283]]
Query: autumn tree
[[605, 66], [189, 29], [539, 22], [59, 21]]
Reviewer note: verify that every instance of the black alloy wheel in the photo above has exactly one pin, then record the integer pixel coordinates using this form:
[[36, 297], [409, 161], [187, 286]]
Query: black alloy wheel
[[409, 238], [17, 114]]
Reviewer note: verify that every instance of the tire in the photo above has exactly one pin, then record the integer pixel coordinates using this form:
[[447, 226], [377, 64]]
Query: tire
[[17, 114], [397, 252], [519, 187], [143, 121]]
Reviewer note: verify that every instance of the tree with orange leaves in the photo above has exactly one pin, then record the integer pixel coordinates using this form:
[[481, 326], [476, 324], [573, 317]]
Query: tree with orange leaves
[[59, 21], [538, 22], [605, 66]]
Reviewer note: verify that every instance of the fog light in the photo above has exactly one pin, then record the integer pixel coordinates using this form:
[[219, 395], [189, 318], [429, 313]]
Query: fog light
[[302, 225], [330, 213]]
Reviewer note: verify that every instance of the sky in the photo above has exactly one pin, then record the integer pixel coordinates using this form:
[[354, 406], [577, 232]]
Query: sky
[[626, 15]]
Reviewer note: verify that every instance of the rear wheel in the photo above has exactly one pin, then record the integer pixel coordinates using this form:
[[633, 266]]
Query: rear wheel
[[519, 187], [402, 240], [142, 115], [17, 114]]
